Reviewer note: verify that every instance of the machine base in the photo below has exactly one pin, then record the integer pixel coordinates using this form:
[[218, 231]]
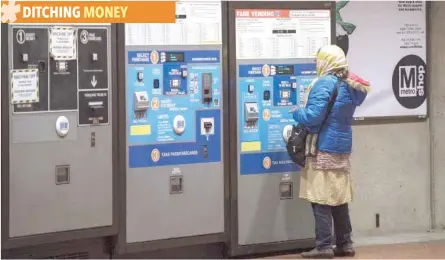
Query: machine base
[[209, 251], [98, 248]]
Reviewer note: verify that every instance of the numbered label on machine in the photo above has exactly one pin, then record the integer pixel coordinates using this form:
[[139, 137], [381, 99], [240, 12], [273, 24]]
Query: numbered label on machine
[[267, 92], [173, 107]]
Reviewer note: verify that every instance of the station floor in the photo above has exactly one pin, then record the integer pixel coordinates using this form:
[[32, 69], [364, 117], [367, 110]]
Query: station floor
[[422, 250], [418, 245]]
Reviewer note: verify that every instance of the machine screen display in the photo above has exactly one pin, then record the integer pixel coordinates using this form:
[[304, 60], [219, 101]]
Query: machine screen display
[[174, 57], [285, 70]]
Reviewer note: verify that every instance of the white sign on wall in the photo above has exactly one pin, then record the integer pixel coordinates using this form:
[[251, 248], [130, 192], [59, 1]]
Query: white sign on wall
[[385, 43]]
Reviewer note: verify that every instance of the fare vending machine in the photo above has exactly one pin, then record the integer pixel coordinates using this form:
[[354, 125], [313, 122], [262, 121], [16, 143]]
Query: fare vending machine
[[172, 141], [57, 133], [271, 64]]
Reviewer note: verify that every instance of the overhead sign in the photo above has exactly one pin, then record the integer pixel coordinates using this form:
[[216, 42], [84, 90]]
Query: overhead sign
[[62, 43], [24, 86]]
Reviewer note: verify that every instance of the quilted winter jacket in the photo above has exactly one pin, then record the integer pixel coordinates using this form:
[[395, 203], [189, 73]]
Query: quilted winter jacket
[[336, 134]]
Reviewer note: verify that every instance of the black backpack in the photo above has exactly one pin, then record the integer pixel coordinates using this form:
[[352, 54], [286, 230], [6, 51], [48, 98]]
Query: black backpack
[[296, 144]]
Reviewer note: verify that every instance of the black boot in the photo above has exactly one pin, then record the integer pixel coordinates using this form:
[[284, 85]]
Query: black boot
[[344, 251], [319, 254]]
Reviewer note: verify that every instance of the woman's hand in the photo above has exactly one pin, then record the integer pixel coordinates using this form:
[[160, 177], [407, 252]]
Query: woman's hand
[[293, 109]]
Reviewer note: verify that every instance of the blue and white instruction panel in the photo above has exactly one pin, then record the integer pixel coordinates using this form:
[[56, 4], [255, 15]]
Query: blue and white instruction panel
[[266, 94], [173, 107], [275, 52]]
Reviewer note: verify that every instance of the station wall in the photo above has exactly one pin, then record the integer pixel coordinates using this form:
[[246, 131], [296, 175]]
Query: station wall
[[437, 110], [397, 173]]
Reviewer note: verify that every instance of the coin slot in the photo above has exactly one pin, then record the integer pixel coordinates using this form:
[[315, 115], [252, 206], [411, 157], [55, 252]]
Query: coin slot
[[42, 66]]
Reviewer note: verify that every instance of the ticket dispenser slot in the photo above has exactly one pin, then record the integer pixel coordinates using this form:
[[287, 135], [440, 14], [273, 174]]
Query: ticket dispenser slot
[[207, 87], [140, 103], [251, 114], [95, 107]]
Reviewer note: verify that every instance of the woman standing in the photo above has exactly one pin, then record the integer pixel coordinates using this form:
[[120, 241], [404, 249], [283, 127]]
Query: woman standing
[[326, 180]]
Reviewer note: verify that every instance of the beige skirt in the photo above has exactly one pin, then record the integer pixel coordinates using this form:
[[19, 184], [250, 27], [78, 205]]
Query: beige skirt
[[326, 187]]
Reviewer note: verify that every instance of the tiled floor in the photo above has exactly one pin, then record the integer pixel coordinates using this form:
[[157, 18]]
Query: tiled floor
[[424, 250]]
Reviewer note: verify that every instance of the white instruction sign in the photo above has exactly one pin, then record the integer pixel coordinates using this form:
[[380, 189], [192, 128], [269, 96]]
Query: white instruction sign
[[197, 23], [62, 44], [281, 34], [24, 86]]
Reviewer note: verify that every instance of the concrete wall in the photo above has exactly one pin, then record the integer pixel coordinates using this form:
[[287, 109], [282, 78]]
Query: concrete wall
[[437, 80], [0, 106], [393, 162], [391, 178]]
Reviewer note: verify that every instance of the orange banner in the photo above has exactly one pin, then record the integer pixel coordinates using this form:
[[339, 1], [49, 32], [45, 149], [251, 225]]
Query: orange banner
[[88, 11]]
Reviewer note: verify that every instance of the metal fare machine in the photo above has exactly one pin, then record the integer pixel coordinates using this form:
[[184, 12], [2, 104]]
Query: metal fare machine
[[271, 61], [57, 139], [171, 146]]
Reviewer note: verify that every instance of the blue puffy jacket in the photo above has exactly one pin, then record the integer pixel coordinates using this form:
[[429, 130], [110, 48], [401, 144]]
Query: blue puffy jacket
[[336, 134]]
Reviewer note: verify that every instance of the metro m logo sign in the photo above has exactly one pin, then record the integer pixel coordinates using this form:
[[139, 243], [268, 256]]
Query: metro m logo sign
[[407, 81]]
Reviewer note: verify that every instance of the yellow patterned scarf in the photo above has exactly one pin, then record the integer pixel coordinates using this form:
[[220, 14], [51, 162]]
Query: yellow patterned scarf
[[332, 59]]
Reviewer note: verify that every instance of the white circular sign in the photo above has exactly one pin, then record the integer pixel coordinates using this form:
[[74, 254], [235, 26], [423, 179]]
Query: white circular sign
[[20, 36], [84, 37], [179, 124], [62, 126], [267, 162], [155, 155], [287, 131]]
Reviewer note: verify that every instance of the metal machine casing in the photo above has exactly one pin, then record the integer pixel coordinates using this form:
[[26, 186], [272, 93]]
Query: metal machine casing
[[58, 174], [266, 213], [173, 157]]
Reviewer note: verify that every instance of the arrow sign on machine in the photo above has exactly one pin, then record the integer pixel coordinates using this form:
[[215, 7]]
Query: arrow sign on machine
[[94, 81]]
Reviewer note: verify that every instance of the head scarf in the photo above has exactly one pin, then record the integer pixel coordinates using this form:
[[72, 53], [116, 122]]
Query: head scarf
[[332, 60]]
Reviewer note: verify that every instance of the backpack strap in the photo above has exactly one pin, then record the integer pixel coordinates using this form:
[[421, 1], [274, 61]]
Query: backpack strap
[[332, 101]]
